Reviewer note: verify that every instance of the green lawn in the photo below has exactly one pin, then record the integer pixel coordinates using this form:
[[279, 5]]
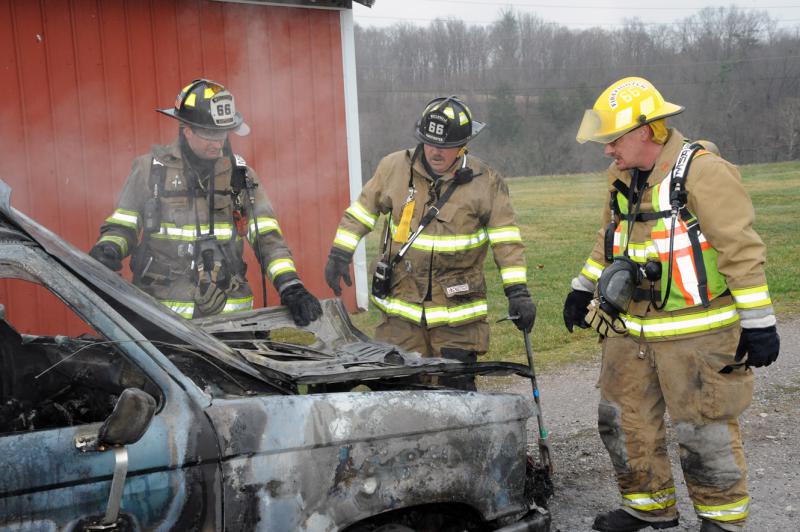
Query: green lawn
[[559, 215]]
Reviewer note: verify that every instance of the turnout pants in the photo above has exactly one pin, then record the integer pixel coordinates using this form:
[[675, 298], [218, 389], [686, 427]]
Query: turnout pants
[[464, 343], [689, 378]]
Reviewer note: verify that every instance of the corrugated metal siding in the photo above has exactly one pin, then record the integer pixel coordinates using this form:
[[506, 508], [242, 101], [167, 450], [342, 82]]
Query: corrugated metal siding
[[82, 79]]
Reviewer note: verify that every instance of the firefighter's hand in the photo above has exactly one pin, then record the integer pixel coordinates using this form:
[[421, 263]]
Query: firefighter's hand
[[607, 324], [338, 267], [521, 305], [108, 254], [575, 308], [760, 345], [303, 306], [209, 299]]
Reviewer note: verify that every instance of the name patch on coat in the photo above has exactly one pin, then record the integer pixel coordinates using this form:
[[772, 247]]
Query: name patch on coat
[[456, 289]]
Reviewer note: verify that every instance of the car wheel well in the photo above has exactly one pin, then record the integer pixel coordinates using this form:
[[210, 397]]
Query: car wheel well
[[444, 517]]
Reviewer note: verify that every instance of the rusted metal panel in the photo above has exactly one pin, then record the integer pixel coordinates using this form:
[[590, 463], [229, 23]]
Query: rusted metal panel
[[83, 79]]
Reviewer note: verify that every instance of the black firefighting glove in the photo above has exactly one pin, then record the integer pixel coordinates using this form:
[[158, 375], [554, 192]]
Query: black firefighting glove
[[108, 254], [761, 346], [521, 305], [338, 267], [209, 299], [303, 306], [575, 309]]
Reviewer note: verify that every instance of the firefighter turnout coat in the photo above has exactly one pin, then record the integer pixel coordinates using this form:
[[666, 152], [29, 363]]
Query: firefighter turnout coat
[[440, 279], [681, 358], [733, 254], [163, 262]]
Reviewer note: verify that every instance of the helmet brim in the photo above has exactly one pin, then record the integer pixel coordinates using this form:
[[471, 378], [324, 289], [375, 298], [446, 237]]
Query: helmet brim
[[591, 128], [239, 126], [477, 127]]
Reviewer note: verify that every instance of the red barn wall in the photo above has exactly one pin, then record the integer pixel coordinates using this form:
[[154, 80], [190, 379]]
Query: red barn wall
[[81, 80]]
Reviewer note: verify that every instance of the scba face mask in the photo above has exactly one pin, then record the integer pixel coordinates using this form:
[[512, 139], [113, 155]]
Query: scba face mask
[[617, 285]]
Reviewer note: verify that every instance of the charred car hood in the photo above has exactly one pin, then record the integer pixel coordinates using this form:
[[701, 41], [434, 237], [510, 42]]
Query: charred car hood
[[341, 353]]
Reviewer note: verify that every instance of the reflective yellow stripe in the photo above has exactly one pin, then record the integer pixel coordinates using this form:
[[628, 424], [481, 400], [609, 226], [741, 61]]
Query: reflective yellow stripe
[[647, 502], [503, 235], [455, 315], [725, 512], [757, 296], [360, 213], [265, 225], [187, 233], [514, 275], [184, 308], [592, 270], [447, 243], [279, 266], [118, 240], [124, 218], [238, 305], [688, 323], [345, 239], [397, 307]]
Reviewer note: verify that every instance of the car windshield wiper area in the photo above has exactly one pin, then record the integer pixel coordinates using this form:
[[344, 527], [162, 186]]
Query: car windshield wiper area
[[337, 353]]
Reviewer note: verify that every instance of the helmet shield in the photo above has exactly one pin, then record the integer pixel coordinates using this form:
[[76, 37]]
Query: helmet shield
[[447, 122], [208, 105]]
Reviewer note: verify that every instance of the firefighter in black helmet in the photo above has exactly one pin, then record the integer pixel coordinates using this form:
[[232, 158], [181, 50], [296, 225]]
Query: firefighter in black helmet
[[186, 210], [430, 287]]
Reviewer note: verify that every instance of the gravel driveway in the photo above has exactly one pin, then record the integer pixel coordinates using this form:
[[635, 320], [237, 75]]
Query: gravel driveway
[[584, 479]]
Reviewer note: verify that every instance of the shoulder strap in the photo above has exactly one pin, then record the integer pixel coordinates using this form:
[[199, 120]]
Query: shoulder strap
[[158, 174], [434, 210], [678, 199]]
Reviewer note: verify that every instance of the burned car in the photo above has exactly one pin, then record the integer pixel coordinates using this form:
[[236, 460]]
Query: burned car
[[153, 422]]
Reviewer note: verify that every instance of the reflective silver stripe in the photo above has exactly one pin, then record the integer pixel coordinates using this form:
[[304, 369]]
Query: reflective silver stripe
[[517, 274], [238, 304], [118, 240], [689, 323], [265, 225], [346, 239], [454, 315], [647, 502], [592, 270], [279, 266], [189, 232], [725, 512], [503, 235], [124, 218], [447, 243], [397, 307], [184, 308], [360, 213], [757, 296]]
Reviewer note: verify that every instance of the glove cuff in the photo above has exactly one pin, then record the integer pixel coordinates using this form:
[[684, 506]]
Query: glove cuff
[[288, 285], [516, 290], [340, 255]]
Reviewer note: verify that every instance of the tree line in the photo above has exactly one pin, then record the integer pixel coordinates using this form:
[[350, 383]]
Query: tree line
[[735, 71]]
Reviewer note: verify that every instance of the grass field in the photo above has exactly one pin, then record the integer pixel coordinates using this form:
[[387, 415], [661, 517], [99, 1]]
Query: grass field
[[559, 216]]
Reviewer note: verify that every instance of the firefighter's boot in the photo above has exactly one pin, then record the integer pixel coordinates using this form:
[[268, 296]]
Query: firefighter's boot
[[710, 526], [621, 521]]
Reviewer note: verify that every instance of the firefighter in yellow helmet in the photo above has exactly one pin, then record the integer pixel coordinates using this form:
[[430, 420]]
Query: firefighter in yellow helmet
[[186, 210], [444, 209], [675, 286]]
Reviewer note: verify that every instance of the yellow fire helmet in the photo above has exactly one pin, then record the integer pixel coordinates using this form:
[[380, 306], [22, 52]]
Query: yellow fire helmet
[[624, 106]]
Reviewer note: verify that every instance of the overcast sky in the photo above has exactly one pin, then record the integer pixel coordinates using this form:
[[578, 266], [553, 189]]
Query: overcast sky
[[578, 14]]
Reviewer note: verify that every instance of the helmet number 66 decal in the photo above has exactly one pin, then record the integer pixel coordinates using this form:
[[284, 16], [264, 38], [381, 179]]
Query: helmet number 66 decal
[[222, 109], [436, 128]]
